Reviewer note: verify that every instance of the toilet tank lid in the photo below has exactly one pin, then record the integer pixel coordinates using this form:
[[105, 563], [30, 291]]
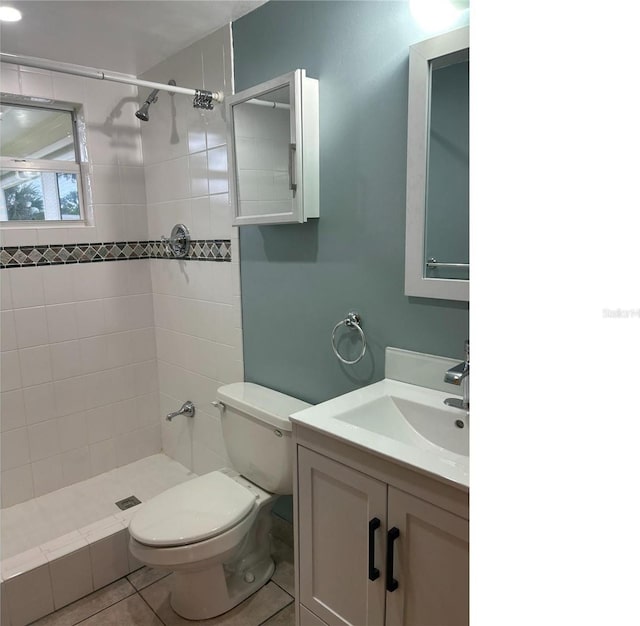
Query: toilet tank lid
[[262, 403]]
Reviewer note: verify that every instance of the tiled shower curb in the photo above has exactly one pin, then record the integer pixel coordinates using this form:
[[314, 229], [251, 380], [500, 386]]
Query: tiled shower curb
[[55, 574], [59, 572], [34, 256]]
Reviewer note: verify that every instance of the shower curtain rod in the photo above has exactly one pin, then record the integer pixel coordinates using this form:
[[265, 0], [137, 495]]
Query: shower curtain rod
[[269, 103], [203, 99]]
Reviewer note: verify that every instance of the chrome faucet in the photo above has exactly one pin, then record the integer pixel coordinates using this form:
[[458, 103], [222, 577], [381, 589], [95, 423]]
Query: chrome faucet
[[459, 375], [187, 409]]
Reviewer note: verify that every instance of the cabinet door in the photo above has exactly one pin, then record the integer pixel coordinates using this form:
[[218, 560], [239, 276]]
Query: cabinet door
[[335, 506], [273, 151], [430, 564]]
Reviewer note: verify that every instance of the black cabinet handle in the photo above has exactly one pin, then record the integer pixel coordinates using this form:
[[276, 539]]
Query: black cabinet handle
[[392, 535], [374, 572]]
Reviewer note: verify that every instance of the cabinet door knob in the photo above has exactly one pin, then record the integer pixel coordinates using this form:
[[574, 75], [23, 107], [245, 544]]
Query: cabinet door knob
[[392, 535], [374, 572]]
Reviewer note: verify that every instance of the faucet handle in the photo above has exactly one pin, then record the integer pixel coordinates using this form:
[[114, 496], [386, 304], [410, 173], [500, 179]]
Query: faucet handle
[[187, 409]]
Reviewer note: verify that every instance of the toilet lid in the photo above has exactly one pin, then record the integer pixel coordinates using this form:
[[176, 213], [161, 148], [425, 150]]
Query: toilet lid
[[193, 511]]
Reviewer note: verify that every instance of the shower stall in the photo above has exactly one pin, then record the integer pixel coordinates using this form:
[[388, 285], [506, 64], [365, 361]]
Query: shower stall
[[104, 330]]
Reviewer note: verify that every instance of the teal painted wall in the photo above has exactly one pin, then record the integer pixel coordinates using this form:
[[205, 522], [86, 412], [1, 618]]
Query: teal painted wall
[[298, 281]]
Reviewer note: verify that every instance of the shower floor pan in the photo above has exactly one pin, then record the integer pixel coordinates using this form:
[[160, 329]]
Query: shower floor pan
[[62, 546]]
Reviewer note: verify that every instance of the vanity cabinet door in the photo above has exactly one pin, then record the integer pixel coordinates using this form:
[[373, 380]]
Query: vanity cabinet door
[[336, 505], [430, 564]]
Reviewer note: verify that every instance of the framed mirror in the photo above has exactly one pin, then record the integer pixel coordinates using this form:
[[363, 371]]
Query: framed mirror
[[437, 232]]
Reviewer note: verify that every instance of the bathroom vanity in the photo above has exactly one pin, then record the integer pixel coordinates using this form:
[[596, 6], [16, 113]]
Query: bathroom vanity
[[381, 497]]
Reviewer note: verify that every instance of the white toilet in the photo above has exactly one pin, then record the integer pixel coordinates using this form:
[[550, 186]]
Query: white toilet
[[213, 531]]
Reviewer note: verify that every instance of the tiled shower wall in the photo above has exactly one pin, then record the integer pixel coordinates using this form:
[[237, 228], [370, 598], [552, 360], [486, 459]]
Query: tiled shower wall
[[78, 371], [196, 305]]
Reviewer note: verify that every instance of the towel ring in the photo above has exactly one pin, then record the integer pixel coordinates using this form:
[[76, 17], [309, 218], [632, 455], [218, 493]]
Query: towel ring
[[351, 321]]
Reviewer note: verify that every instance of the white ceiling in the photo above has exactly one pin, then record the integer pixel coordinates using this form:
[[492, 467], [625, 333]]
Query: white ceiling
[[129, 36]]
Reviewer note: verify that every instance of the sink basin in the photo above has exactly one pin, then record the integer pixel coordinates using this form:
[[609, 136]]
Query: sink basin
[[412, 423], [406, 423]]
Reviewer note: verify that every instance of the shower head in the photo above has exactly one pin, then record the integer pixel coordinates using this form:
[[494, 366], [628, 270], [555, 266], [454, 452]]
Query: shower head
[[143, 112]]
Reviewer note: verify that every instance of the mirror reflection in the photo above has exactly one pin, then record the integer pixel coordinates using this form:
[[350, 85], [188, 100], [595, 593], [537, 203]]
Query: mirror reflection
[[447, 191], [262, 131]]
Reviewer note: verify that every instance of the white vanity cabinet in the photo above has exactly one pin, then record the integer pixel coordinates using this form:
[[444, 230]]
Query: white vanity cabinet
[[376, 544]]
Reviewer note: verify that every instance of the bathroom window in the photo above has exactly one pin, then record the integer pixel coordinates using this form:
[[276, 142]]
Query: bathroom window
[[39, 164]]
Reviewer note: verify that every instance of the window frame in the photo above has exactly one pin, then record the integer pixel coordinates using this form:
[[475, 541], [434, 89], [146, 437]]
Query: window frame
[[51, 165]]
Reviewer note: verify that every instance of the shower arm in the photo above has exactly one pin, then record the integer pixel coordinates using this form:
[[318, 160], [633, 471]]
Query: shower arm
[[202, 99]]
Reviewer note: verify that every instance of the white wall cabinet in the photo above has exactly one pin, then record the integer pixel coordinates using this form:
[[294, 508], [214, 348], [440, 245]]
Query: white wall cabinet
[[371, 554], [274, 151]]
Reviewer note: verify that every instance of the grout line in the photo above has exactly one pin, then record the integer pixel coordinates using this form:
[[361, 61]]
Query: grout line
[[276, 613], [149, 584], [67, 607], [152, 609], [98, 613], [283, 589], [104, 608]]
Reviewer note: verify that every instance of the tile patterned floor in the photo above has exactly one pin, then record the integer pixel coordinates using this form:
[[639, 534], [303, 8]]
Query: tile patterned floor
[[142, 599]]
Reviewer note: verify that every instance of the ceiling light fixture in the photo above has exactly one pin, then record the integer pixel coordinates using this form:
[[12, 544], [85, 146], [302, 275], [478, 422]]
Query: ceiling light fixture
[[9, 14], [436, 16]]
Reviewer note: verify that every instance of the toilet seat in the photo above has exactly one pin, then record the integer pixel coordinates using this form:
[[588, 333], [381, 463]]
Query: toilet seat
[[192, 512]]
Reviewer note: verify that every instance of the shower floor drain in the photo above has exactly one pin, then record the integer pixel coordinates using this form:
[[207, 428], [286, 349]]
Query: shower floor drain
[[127, 503]]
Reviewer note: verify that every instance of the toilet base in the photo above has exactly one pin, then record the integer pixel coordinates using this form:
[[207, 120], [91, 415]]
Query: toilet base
[[212, 576], [219, 585], [208, 593]]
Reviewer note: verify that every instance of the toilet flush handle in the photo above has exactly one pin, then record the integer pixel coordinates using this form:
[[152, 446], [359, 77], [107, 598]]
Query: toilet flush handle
[[219, 405]]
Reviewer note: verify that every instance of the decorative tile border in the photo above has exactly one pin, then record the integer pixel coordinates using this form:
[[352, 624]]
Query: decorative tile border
[[31, 256]]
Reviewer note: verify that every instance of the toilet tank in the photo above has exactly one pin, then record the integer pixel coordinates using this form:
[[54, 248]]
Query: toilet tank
[[257, 433]]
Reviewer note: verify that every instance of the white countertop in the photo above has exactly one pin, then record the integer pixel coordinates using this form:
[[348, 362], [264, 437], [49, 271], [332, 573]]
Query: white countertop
[[435, 461]]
